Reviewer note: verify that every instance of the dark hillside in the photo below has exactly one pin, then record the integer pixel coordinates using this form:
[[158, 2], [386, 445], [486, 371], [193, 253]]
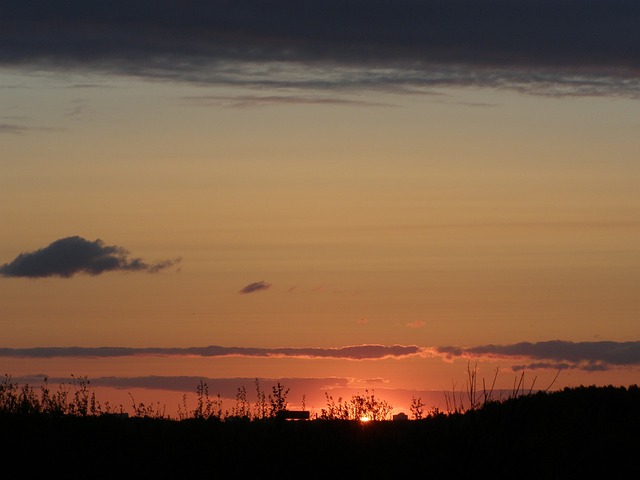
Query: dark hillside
[[573, 433]]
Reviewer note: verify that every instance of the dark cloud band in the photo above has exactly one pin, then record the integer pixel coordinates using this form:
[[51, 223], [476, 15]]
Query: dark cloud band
[[556, 354], [575, 46], [559, 355], [357, 352], [72, 255]]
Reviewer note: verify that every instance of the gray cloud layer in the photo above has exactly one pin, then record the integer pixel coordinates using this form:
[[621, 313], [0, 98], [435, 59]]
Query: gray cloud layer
[[570, 47], [69, 256], [557, 354]]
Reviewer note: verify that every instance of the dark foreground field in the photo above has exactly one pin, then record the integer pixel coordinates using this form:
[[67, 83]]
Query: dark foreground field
[[574, 433]]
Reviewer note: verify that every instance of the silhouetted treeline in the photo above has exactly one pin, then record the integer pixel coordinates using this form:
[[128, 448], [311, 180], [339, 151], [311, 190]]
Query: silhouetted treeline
[[572, 433]]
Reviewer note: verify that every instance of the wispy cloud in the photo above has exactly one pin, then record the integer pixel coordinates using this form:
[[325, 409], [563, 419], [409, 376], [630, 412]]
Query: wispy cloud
[[245, 101], [72, 255], [226, 387], [355, 352], [313, 391], [255, 287], [416, 324], [19, 129], [573, 47], [12, 128], [556, 354]]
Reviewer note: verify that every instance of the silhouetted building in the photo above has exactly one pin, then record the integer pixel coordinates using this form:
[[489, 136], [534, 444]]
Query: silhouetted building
[[293, 415]]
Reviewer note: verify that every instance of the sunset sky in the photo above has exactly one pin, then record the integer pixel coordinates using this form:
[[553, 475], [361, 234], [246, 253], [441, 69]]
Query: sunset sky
[[340, 195]]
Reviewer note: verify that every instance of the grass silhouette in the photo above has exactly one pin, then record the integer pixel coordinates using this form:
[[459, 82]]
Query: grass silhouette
[[569, 433]]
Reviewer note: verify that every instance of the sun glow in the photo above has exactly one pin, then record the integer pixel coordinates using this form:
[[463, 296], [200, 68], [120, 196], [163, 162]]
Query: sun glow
[[365, 419]]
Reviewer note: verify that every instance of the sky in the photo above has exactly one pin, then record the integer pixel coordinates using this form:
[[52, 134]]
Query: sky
[[341, 196]]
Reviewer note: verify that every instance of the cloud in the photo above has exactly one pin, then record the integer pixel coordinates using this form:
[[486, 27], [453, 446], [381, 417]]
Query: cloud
[[226, 387], [245, 101], [255, 287], [416, 324], [16, 129], [556, 354], [356, 352], [12, 128], [310, 389], [72, 255], [572, 47], [313, 391]]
